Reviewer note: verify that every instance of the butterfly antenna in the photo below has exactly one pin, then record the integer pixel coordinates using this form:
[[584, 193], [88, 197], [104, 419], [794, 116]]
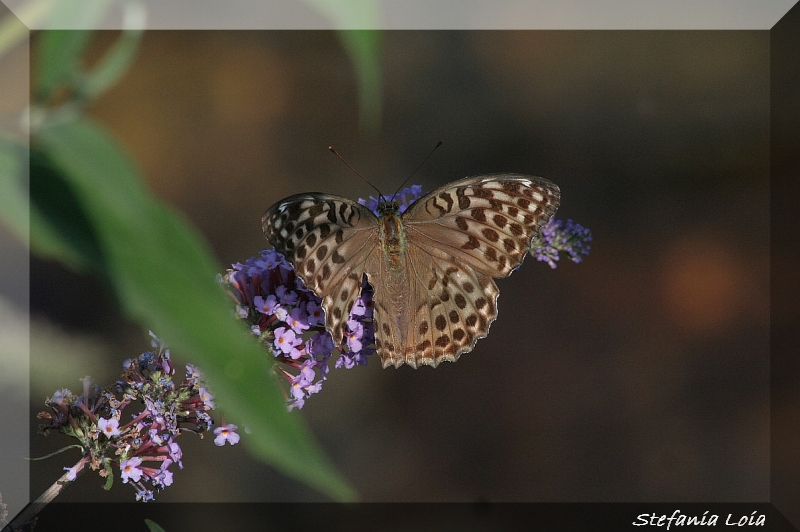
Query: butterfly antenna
[[336, 153], [417, 170]]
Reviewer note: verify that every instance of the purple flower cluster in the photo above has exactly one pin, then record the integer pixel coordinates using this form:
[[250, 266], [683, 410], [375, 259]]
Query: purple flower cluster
[[144, 448], [570, 237], [288, 318]]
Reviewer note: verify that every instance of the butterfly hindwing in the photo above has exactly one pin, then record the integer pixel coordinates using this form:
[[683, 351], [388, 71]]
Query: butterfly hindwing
[[453, 308]]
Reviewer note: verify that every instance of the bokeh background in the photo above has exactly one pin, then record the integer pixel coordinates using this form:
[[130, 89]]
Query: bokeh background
[[641, 374]]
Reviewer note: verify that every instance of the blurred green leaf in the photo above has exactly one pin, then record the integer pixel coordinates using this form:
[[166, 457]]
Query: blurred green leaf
[[364, 49], [152, 526], [350, 14], [355, 21], [14, 197], [165, 278], [113, 65], [59, 54], [59, 227], [50, 14], [77, 13]]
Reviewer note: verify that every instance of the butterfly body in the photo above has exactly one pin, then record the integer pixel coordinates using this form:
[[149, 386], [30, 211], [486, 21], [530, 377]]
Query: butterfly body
[[430, 267], [392, 234]]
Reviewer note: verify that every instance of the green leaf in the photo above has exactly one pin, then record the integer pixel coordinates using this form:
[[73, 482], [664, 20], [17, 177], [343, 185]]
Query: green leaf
[[355, 21], [110, 478], [350, 14], [43, 210], [60, 229], [112, 66], [165, 278], [14, 197], [67, 14], [59, 54], [153, 527], [364, 48]]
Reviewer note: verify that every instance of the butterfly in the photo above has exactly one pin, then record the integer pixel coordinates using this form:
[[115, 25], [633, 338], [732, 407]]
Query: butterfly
[[431, 267]]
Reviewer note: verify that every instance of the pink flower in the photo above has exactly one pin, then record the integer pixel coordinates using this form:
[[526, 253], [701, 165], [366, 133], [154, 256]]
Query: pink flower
[[109, 427], [316, 316], [207, 397], [286, 340], [130, 469], [297, 320], [266, 305], [226, 433]]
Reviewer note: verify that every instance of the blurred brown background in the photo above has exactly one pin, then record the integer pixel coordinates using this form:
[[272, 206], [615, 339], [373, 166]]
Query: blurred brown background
[[641, 374]]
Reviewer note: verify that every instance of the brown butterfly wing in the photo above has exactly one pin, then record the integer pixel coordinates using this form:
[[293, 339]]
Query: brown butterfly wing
[[328, 239]]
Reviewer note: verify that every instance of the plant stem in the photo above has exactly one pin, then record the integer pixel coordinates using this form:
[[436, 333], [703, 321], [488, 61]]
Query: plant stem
[[26, 517]]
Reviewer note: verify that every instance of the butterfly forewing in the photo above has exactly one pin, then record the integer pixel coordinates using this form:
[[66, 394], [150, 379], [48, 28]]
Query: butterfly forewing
[[431, 268], [486, 222], [327, 239]]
